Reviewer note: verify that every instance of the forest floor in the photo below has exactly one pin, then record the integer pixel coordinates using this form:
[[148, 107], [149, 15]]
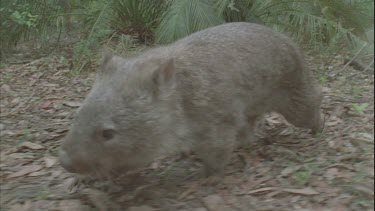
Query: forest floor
[[288, 169]]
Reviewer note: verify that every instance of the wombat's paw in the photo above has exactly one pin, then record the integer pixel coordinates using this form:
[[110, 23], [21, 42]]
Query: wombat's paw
[[216, 157], [213, 170], [246, 141], [318, 128], [85, 180], [79, 182]]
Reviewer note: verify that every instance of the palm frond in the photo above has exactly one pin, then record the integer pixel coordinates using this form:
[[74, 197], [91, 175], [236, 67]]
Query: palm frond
[[349, 14], [137, 16], [185, 17], [235, 10], [318, 22], [320, 29], [222, 5]]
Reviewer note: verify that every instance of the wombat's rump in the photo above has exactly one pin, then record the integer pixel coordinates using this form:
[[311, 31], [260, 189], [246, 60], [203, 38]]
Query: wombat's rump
[[202, 92]]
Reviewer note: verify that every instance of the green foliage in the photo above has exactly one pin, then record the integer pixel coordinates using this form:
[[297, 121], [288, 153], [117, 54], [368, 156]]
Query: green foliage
[[360, 107], [184, 17], [317, 134], [25, 135], [17, 21], [96, 29], [323, 79], [123, 24], [245, 10], [303, 176], [357, 90], [317, 22], [139, 17], [25, 20], [111, 24], [125, 45], [43, 195], [325, 22]]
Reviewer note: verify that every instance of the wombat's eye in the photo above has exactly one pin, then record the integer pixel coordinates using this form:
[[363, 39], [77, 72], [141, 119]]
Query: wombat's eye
[[108, 134]]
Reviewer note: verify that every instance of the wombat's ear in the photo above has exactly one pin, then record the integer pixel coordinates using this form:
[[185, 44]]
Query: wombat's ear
[[155, 75], [164, 73]]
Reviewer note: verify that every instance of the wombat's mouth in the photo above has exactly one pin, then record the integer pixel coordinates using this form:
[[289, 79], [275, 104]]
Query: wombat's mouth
[[72, 165], [66, 162], [92, 168]]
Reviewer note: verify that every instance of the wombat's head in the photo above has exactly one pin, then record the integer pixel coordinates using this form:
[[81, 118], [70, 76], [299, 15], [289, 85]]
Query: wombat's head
[[123, 119]]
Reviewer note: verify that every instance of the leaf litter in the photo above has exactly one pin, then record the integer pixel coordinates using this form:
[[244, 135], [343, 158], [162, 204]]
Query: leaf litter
[[287, 169]]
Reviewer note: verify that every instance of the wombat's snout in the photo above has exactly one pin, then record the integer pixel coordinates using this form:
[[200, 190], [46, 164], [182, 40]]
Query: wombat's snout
[[65, 161]]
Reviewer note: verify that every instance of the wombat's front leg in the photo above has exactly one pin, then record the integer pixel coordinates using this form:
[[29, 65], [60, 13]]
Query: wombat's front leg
[[246, 133], [215, 146]]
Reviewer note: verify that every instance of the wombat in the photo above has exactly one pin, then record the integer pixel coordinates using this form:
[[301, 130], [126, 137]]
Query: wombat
[[200, 93]]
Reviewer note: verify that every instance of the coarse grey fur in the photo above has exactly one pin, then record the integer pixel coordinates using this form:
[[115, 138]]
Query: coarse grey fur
[[202, 92]]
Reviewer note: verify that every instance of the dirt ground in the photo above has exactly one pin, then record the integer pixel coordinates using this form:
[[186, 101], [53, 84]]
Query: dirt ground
[[287, 169]]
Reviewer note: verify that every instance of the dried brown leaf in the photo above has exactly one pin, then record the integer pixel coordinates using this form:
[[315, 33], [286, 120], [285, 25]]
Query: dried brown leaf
[[31, 145], [189, 191], [7, 151], [289, 170], [364, 189], [331, 173], [73, 204], [73, 104], [5, 88], [141, 208], [252, 183], [304, 191], [27, 206], [334, 121], [50, 85], [15, 101], [261, 190], [37, 173], [26, 170], [46, 104], [200, 209], [63, 114], [214, 202], [50, 161]]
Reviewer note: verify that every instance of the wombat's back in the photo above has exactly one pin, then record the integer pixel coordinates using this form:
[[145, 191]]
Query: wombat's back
[[235, 61], [235, 46]]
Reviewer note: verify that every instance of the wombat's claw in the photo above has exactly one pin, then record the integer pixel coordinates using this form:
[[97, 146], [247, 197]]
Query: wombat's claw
[[79, 182], [74, 185]]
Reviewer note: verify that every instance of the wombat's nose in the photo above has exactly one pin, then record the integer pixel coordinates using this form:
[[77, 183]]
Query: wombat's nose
[[65, 161]]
